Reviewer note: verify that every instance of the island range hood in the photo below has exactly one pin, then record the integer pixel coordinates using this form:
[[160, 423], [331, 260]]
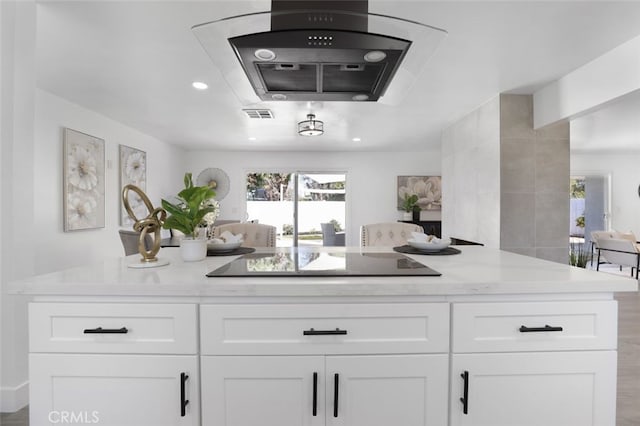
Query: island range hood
[[316, 50], [320, 53]]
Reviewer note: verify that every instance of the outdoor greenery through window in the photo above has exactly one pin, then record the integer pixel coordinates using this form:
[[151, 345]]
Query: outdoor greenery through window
[[320, 198], [576, 191], [269, 187], [578, 254]]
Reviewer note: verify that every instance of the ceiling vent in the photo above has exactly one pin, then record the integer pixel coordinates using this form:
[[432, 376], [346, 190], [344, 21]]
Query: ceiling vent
[[258, 113], [318, 50]]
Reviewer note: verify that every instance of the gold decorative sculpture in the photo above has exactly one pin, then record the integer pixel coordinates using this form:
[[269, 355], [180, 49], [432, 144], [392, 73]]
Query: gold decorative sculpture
[[150, 224]]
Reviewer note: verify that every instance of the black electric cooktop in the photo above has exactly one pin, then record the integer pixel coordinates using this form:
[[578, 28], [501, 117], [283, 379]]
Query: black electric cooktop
[[287, 264]]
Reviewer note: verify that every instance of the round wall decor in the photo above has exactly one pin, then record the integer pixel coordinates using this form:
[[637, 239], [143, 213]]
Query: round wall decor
[[216, 179]]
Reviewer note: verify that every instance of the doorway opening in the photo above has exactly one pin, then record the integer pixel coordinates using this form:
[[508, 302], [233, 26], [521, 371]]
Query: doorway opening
[[589, 211]]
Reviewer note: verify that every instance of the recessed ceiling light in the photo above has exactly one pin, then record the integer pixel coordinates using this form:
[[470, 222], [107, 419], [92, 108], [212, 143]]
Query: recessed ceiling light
[[356, 139], [252, 138], [200, 85]]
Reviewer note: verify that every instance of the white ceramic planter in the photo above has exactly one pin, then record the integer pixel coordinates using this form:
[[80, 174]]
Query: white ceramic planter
[[193, 250], [407, 216]]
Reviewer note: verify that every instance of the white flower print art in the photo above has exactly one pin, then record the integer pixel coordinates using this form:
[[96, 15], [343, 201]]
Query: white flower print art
[[427, 188], [83, 181], [133, 170]]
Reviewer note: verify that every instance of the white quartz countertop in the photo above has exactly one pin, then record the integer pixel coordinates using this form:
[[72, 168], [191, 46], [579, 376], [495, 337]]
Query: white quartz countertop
[[477, 270]]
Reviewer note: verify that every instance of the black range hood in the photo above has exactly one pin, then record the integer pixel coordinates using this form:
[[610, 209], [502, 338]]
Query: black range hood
[[319, 51]]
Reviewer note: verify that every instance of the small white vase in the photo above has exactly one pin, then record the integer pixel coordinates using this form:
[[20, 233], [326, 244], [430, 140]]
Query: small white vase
[[193, 250], [407, 216]]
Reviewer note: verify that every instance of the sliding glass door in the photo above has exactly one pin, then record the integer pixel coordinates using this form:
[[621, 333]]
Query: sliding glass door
[[297, 204], [320, 200]]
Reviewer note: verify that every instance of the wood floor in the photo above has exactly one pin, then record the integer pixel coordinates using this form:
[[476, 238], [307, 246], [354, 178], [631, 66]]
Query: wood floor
[[628, 359], [628, 366]]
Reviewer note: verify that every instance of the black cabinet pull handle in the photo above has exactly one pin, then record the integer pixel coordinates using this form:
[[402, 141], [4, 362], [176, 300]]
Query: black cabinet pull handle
[[315, 394], [313, 332], [100, 330], [465, 392], [336, 378], [183, 397], [525, 329]]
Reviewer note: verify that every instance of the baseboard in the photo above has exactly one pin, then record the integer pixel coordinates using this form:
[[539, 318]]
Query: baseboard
[[13, 399]]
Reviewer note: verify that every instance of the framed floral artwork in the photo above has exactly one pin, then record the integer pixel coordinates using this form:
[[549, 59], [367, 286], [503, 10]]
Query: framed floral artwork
[[83, 180], [427, 188], [133, 170]]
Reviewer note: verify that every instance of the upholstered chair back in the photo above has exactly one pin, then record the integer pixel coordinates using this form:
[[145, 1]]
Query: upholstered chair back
[[595, 235], [625, 236], [130, 241], [387, 234], [253, 234], [622, 252], [329, 235]]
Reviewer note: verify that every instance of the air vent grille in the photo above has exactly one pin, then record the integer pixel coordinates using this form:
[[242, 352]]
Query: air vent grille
[[258, 113]]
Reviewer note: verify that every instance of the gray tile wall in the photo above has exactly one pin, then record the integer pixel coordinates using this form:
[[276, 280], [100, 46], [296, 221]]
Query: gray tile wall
[[504, 183], [534, 167]]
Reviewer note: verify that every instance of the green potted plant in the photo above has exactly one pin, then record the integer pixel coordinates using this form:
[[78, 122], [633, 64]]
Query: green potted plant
[[187, 214], [409, 204]]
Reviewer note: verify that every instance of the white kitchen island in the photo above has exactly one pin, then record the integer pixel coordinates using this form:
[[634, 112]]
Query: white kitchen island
[[498, 339]]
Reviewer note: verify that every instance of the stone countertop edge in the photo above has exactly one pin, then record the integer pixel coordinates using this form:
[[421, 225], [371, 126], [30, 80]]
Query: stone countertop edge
[[476, 271]]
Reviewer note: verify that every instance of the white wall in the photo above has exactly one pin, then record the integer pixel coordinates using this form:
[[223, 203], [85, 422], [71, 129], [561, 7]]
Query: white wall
[[604, 79], [17, 78], [57, 249], [371, 178], [625, 178], [38, 220]]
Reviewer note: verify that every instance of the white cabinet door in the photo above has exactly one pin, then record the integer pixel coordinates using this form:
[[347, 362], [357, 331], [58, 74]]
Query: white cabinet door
[[534, 389], [403, 390], [262, 390], [113, 390]]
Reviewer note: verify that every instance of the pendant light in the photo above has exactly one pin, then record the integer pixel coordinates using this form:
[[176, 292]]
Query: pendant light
[[311, 126]]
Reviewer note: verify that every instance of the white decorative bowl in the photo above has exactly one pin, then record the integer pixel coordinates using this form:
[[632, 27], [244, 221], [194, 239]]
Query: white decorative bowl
[[434, 245], [223, 246]]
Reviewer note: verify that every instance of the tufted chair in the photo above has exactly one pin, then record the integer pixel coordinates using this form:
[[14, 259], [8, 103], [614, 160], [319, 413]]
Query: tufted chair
[[387, 234], [253, 234]]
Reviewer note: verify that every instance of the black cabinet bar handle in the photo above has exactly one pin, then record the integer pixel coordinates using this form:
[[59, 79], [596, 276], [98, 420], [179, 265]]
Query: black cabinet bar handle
[[100, 330], [315, 394], [525, 329], [183, 397], [336, 378], [313, 332], [465, 392]]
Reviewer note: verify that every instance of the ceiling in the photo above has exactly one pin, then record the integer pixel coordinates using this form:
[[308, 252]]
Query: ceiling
[[134, 61], [611, 129]]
